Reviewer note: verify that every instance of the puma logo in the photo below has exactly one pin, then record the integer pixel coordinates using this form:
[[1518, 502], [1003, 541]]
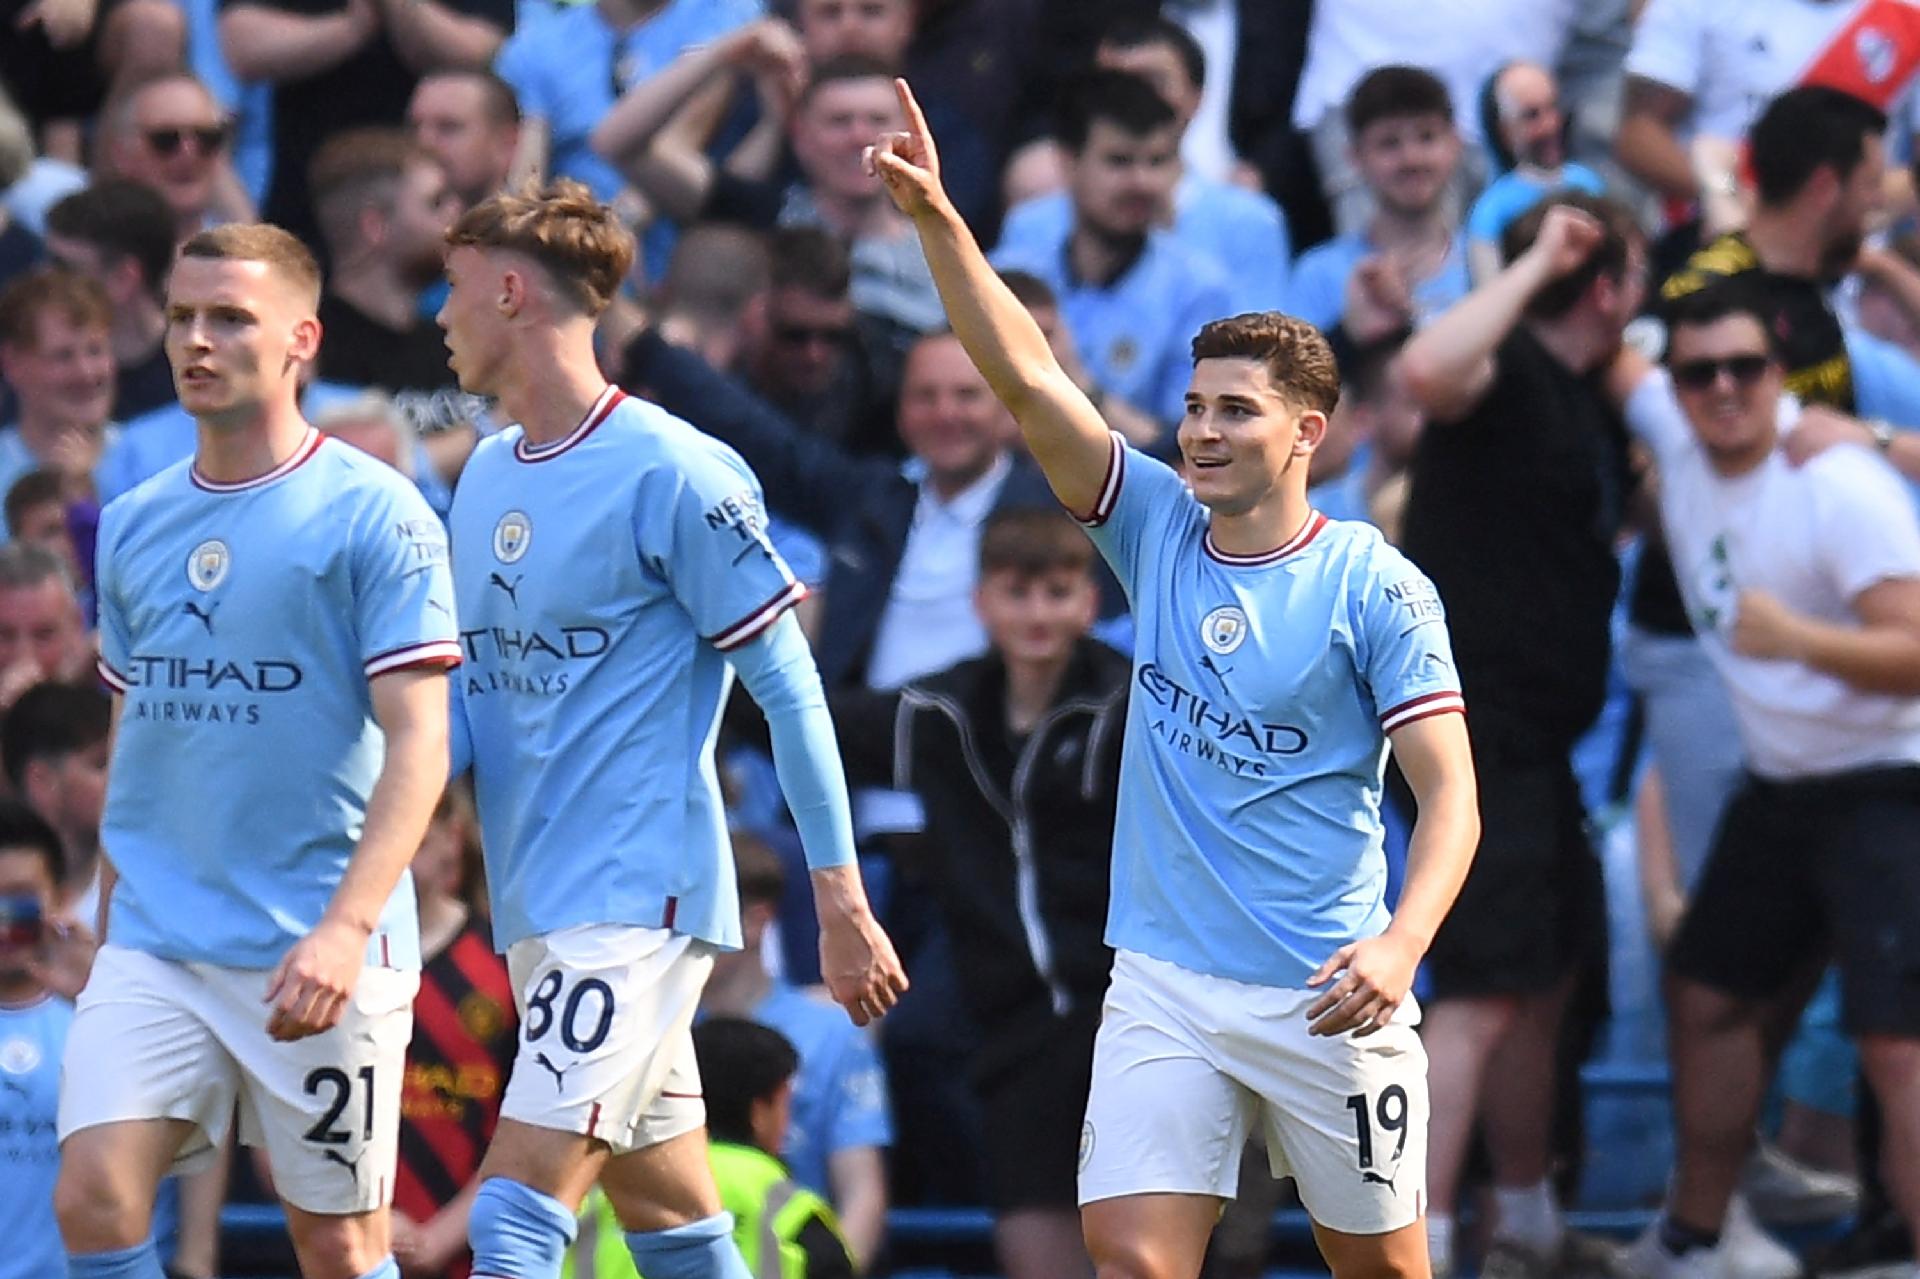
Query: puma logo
[[1219, 673], [558, 1073], [205, 616], [351, 1165], [512, 588], [1374, 1178]]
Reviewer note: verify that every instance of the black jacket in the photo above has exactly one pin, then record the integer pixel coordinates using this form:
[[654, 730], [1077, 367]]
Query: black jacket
[[1022, 830], [861, 507]]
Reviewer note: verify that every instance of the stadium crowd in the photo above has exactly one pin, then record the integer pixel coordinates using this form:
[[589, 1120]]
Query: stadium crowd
[[1139, 167]]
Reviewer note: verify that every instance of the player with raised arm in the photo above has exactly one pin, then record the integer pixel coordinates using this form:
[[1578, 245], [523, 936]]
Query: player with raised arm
[[276, 620], [614, 572], [1258, 974]]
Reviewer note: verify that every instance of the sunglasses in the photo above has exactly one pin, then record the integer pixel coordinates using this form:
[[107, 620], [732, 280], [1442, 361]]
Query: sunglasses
[[206, 139], [1698, 375], [806, 334]]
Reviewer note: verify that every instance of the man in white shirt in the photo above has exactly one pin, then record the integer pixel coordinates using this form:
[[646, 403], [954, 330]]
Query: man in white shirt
[[1804, 586]]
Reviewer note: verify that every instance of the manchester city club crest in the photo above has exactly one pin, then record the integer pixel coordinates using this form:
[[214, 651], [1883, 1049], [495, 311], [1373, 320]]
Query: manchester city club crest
[[207, 566], [512, 536], [1224, 629], [19, 1056], [1086, 1144]]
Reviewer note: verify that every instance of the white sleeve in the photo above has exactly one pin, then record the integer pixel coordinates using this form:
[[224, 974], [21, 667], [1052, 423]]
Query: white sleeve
[[1868, 530], [1654, 416], [1666, 44]]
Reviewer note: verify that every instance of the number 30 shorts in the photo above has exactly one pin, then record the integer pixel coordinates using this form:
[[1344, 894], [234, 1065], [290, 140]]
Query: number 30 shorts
[[1185, 1064], [606, 1033], [155, 1038]]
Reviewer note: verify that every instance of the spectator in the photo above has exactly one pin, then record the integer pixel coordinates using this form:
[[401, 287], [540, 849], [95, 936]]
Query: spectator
[[1804, 581], [384, 207], [747, 1073], [20, 248], [1698, 75], [119, 234], [469, 122], [58, 62], [1405, 150], [1518, 492], [1370, 436], [464, 1027], [840, 1126], [1016, 756], [570, 65], [34, 1016], [904, 550], [805, 349], [56, 353], [876, 29], [1527, 137], [1240, 233], [718, 274], [338, 67], [1460, 42], [29, 182], [42, 635], [36, 512], [169, 134], [54, 742], [385, 427], [1132, 294]]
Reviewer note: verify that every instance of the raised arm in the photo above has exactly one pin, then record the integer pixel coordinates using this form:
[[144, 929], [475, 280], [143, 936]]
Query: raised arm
[[261, 42], [1448, 366], [1065, 434]]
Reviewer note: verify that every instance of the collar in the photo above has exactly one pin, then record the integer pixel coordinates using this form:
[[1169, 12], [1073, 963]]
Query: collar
[[971, 504]]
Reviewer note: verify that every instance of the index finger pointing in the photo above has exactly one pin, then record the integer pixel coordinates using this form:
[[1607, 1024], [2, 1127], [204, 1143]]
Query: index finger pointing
[[916, 120]]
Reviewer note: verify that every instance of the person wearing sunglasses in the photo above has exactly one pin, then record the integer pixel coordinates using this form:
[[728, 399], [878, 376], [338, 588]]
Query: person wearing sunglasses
[[1802, 582], [168, 133]]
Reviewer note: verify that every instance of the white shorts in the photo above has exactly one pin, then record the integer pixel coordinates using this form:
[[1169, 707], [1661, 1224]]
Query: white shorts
[[154, 1038], [1185, 1063], [606, 1033]]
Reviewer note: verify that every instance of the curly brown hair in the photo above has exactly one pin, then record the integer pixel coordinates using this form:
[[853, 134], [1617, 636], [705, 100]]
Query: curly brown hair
[[1296, 355]]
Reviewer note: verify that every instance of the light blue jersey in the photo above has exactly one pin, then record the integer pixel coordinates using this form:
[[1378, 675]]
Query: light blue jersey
[[1516, 191], [602, 580], [241, 624], [1241, 232], [840, 1092], [1247, 838], [1317, 289], [1135, 334], [32, 1040]]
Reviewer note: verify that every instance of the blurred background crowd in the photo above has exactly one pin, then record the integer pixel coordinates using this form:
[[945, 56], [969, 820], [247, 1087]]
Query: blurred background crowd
[[1139, 167]]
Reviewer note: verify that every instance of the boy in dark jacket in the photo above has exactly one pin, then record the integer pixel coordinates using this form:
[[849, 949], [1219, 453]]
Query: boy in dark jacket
[[1015, 756]]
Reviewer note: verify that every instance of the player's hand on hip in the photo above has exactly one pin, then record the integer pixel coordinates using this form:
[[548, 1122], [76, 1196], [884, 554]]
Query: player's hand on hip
[[907, 163], [1370, 979], [310, 989], [858, 964]]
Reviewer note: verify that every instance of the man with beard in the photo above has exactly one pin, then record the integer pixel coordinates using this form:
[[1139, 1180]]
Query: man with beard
[[383, 206], [1406, 149], [1527, 133], [1131, 294]]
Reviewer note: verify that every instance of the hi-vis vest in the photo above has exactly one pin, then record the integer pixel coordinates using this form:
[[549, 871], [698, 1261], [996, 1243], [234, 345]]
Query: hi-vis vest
[[769, 1210]]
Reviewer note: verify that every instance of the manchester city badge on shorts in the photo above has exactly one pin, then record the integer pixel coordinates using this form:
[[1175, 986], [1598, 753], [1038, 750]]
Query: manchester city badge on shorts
[[512, 536], [207, 566], [1224, 629], [1086, 1144]]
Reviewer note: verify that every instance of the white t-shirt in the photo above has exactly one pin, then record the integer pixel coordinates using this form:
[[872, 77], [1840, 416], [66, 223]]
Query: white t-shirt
[[1813, 537], [1461, 41], [1732, 56]]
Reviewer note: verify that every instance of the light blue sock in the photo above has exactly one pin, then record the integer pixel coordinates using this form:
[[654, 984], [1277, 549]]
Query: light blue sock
[[517, 1232], [387, 1269], [137, 1262], [702, 1249]]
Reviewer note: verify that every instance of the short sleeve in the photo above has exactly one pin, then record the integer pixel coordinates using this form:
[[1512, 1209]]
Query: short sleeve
[[1886, 379], [1316, 291], [1868, 530], [403, 585], [860, 1111], [1137, 496], [1405, 654], [1666, 45], [115, 642], [702, 525]]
